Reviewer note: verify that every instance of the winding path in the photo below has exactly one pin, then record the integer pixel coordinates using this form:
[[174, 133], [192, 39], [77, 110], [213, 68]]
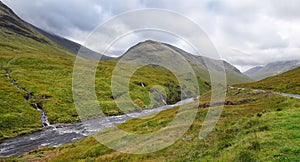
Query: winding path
[[264, 91]]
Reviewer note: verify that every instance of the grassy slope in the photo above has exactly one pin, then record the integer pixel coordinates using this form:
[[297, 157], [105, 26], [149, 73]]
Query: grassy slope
[[31, 64], [46, 69], [265, 128], [288, 82]]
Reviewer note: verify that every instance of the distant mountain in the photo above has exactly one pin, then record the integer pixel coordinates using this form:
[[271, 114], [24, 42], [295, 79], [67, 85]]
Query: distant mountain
[[287, 82], [271, 69], [253, 70], [199, 63]]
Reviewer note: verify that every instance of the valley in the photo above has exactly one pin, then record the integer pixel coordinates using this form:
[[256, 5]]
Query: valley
[[254, 128], [40, 121]]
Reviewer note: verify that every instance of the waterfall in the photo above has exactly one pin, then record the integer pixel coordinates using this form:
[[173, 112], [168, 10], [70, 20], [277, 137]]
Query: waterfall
[[43, 115], [142, 84], [163, 99], [184, 94], [29, 95]]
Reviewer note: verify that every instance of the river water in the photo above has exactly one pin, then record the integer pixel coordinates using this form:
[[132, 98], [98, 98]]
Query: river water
[[56, 135], [290, 95]]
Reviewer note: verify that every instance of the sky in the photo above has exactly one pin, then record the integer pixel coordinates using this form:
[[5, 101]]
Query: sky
[[246, 33]]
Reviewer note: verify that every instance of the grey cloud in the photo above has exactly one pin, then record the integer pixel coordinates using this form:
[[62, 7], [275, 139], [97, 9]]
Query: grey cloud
[[59, 16], [265, 29], [286, 9]]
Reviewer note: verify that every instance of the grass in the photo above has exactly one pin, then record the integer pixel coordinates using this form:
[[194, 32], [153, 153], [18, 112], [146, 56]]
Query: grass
[[46, 69], [288, 82], [256, 130]]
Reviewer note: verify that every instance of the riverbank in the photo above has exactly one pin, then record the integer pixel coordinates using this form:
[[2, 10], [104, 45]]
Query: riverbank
[[56, 135]]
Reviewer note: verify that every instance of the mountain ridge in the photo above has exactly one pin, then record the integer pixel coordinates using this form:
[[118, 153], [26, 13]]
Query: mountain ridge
[[74, 48], [287, 82], [272, 69], [200, 63], [14, 24]]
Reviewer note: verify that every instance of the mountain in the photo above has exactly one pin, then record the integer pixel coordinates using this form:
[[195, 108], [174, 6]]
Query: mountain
[[71, 46], [287, 82], [156, 50], [36, 80], [253, 70], [31, 66], [271, 69], [14, 25], [36, 69]]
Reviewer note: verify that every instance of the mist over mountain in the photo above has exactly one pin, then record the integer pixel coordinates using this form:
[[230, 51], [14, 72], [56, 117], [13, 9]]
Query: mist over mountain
[[271, 69]]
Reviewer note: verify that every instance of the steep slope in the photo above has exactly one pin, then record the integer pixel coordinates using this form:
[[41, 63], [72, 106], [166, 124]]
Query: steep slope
[[71, 46], [12, 24], [271, 69], [252, 71], [288, 82], [42, 71], [43, 68], [199, 63], [34, 63]]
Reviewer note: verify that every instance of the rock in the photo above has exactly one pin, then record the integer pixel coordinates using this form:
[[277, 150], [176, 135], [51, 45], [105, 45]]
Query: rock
[[187, 138], [140, 84]]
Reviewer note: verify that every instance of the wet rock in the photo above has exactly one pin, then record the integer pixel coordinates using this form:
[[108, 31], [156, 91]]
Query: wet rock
[[188, 93], [187, 138], [46, 96], [28, 96], [140, 84], [117, 95], [229, 103]]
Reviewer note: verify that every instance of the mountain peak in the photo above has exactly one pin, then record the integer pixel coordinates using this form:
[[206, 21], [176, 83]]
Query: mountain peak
[[159, 51], [149, 42]]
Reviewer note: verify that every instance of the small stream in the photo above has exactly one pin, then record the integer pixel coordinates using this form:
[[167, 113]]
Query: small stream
[[30, 96], [60, 134]]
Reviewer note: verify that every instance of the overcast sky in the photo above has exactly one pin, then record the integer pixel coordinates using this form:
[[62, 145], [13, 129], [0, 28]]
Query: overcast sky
[[246, 33]]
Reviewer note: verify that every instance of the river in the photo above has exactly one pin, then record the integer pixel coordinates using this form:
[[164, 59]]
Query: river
[[56, 135]]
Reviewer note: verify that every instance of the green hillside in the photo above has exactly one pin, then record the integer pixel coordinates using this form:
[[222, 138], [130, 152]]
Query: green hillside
[[44, 69], [288, 82], [254, 127], [199, 64]]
